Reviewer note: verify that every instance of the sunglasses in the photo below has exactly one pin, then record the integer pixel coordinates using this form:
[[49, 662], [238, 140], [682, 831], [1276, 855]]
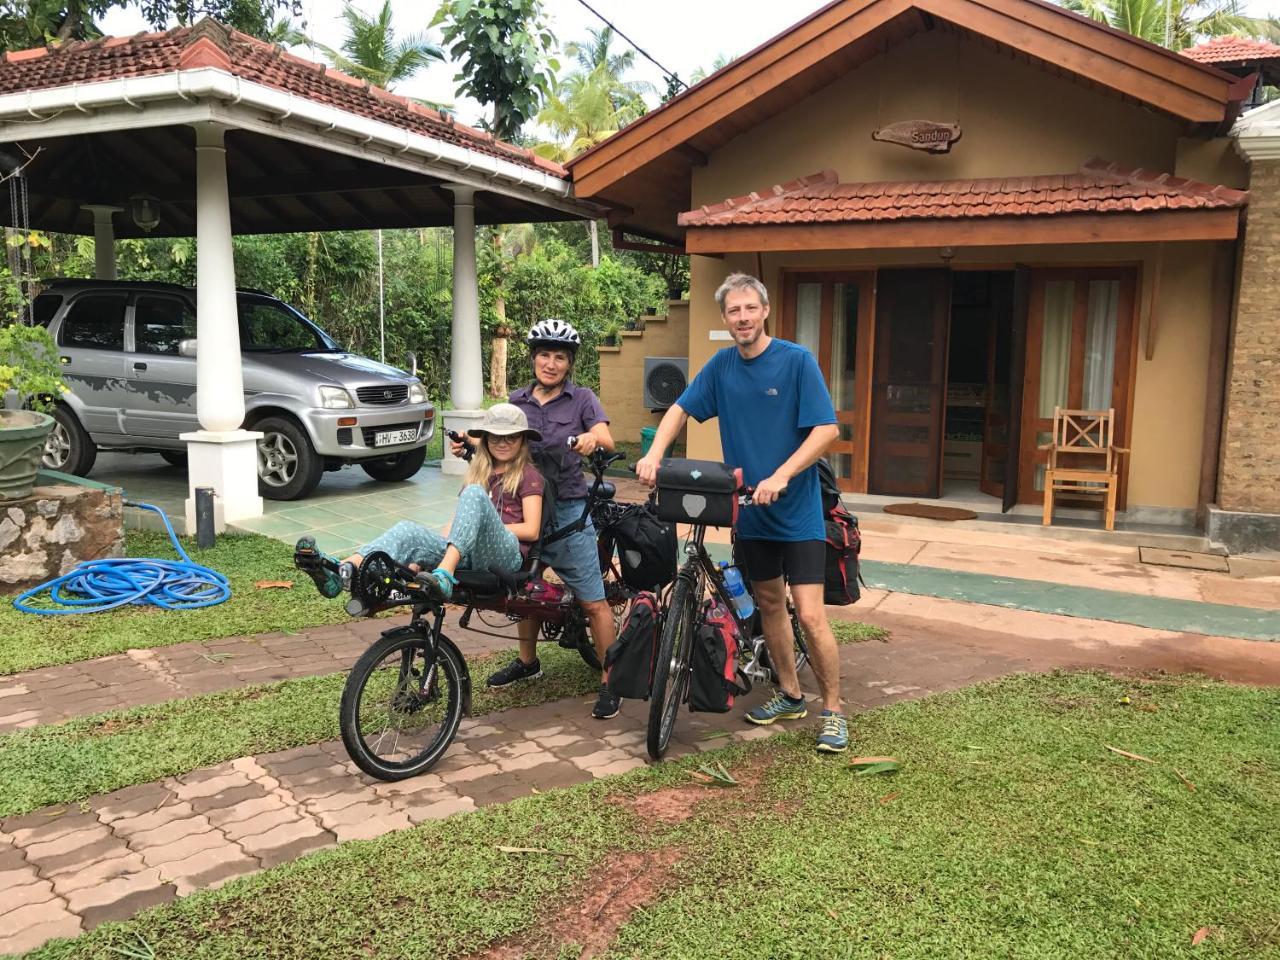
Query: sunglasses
[[505, 438]]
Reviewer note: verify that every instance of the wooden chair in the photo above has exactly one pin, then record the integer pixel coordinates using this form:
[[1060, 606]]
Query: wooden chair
[[1083, 460]]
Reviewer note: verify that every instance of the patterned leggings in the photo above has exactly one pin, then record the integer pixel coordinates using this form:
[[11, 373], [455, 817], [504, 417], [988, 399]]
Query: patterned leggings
[[477, 532]]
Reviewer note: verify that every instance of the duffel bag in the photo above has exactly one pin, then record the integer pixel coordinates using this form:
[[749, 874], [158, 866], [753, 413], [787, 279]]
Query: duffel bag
[[646, 548], [698, 491], [715, 679], [844, 543], [629, 659]]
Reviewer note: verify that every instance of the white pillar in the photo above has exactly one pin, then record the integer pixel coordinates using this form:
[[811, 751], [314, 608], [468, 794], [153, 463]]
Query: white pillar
[[220, 454], [104, 240], [466, 387]]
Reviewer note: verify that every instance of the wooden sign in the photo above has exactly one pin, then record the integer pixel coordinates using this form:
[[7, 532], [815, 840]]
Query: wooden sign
[[920, 135]]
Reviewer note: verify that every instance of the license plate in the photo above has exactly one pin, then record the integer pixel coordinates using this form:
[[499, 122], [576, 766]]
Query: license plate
[[394, 436]]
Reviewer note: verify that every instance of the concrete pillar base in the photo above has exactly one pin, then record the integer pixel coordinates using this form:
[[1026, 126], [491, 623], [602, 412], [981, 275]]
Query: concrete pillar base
[[460, 421], [226, 460], [1242, 532]]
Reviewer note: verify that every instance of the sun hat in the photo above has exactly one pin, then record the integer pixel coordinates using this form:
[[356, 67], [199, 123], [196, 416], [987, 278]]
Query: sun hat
[[504, 419]]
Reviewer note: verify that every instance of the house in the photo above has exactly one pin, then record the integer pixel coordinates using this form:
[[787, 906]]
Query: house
[[972, 212]]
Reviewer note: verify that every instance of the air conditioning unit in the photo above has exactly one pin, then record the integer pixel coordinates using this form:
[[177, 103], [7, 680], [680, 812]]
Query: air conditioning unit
[[664, 380]]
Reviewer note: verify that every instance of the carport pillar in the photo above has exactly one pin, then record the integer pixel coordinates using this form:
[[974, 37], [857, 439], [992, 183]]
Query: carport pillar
[[104, 240], [466, 385], [219, 455]]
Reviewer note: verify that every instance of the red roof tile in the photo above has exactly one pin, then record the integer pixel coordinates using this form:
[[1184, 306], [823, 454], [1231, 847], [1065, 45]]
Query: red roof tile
[[1099, 187], [1232, 50], [146, 54]]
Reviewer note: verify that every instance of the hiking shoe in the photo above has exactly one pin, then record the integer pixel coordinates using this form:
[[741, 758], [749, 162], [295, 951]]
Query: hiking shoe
[[514, 672], [322, 569], [834, 735], [607, 705], [781, 707]]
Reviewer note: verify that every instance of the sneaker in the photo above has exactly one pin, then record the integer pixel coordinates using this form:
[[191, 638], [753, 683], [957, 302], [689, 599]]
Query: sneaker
[[781, 707], [308, 559], [834, 736], [514, 672], [607, 705], [439, 584]]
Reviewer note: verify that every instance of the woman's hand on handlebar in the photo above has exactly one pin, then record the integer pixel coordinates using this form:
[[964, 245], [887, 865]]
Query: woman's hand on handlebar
[[769, 490]]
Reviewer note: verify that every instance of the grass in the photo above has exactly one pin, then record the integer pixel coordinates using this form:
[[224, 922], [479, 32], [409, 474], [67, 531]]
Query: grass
[[1010, 831], [28, 641], [70, 761], [852, 631]]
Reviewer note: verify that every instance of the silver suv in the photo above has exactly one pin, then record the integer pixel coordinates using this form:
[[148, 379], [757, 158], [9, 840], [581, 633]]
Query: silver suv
[[128, 353]]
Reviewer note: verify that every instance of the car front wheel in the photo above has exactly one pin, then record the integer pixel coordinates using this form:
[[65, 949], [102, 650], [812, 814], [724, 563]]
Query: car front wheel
[[392, 469], [68, 448], [288, 466]]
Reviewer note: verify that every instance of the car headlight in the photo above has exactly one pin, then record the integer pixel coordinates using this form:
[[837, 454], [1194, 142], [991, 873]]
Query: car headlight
[[335, 398], [416, 393]]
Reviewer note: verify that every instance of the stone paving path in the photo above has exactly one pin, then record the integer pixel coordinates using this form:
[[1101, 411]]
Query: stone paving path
[[66, 869]]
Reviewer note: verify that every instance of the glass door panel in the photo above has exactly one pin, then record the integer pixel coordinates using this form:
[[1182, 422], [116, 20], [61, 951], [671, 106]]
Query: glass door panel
[[809, 318]]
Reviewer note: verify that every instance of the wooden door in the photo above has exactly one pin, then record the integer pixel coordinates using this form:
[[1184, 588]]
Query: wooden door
[[1006, 360], [1079, 347], [909, 383], [830, 314]]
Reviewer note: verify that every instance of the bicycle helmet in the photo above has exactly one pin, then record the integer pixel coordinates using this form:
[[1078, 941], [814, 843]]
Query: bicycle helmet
[[555, 334]]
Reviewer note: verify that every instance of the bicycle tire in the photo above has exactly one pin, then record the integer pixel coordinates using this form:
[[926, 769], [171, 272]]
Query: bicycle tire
[[667, 691], [408, 645]]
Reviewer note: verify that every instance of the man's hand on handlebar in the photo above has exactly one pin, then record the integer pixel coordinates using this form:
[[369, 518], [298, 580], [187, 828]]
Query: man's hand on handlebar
[[769, 490], [584, 443], [647, 469]]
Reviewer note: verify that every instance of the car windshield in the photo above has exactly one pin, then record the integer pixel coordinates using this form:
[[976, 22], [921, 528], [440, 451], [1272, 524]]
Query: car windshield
[[267, 326]]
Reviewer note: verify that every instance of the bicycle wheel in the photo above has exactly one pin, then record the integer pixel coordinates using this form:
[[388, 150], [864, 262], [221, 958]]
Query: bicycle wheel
[[399, 715], [671, 672]]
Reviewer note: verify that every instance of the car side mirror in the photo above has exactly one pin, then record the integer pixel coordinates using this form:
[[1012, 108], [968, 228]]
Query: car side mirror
[[187, 348], [413, 364]]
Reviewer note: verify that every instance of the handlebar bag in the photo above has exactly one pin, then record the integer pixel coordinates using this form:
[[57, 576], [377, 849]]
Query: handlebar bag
[[630, 659], [698, 491], [646, 548]]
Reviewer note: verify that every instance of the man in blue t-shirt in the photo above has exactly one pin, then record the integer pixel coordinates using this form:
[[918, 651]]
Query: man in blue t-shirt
[[776, 420]]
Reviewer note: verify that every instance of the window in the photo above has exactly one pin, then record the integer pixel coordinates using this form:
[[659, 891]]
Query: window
[[45, 308], [95, 322], [266, 326], [161, 323]]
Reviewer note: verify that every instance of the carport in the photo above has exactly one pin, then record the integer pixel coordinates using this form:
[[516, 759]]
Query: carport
[[203, 131]]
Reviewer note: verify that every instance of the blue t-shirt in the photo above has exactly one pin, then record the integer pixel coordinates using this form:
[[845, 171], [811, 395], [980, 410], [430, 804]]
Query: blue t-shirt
[[766, 407]]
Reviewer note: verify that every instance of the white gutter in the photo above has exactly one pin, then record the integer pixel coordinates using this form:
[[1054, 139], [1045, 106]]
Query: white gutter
[[33, 106], [1257, 133]]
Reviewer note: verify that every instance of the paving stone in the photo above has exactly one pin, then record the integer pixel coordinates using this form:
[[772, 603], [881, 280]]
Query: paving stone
[[32, 934], [341, 800], [370, 827], [48, 823], [468, 773], [261, 823], [246, 810], [184, 848], [208, 869], [37, 891], [439, 809], [599, 758], [133, 801], [171, 812], [554, 776], [169, 833], [17, 876], [287, 842], [423, 783], [527, 762], [248, 790], [349, 816], [99, 871], [67, 853], [210, 787], [121, 898], [617, 766]]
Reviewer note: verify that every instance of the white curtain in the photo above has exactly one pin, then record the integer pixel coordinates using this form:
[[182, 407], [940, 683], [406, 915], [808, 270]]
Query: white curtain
[[1100, 343], [809, 317], [1055, 349]]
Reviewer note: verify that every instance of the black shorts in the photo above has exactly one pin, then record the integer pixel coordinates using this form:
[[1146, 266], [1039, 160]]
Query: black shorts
[[802, 561]]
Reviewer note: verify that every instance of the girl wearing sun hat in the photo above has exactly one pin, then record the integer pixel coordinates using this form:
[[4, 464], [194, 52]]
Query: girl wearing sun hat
[[499, 513]]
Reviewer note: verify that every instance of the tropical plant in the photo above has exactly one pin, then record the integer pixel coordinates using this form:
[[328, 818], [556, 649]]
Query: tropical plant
[[503, 48], [371, 51], [29, 364], [1176, 24], [720, 62], [594, 53]]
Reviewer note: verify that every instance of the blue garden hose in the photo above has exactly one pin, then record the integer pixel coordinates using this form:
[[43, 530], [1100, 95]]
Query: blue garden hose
[[98, 585]]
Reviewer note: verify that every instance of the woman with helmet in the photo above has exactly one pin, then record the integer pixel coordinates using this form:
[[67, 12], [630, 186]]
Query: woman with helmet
[[558, 409]]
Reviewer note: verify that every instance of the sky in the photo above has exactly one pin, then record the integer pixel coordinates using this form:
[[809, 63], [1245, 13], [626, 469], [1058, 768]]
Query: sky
[[682, 35]]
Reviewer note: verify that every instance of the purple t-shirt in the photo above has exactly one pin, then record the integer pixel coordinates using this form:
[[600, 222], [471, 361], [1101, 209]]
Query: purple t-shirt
[[576, 409], [511, 507]]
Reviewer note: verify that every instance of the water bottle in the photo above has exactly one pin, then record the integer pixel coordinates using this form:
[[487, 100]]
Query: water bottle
[[743, 605]]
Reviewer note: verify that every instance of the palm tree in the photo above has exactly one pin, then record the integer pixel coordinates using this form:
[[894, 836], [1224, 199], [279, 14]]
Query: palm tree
[[720, 62], [1176, 24], [372, 53]]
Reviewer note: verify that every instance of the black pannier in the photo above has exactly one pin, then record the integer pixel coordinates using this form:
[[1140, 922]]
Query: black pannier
[[698, 491], [844, 543], [629, 659], [646, 548]]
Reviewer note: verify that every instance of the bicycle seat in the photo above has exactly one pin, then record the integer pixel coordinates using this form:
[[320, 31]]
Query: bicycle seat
[[493, 581]]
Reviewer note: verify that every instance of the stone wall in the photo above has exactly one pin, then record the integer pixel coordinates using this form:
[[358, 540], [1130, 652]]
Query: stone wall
[[622, 369], [46, 534], [1249, 475]]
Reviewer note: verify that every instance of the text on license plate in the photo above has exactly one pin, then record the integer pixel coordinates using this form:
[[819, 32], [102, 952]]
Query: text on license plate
[[394, 436]]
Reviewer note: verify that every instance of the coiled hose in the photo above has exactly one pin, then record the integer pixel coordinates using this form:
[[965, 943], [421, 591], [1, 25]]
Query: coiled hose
[[98, 585]]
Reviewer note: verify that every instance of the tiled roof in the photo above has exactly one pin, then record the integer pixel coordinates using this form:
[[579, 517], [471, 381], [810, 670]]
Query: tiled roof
[[209, 44], [1099, 187], [1232, 50]]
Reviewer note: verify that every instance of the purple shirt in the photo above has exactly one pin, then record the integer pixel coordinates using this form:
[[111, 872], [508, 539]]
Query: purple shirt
[[576, 409]]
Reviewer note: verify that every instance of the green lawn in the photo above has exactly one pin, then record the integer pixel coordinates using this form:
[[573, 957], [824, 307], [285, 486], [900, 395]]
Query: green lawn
[[1010, 831], [28, 641], [66, 762]]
